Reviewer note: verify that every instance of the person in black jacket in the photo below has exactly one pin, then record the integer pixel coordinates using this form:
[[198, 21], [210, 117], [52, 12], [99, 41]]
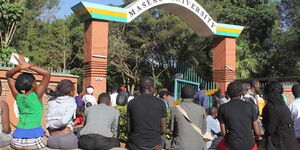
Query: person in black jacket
[[277, 121]]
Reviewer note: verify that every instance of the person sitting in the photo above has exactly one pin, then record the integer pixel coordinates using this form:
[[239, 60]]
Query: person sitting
[[79, 120], [61, 111], [146, 118], [5, 136], [88, 97], [237, 119], [100, 130], [88, 104], [213, 126], [29, 133], [185, 137]]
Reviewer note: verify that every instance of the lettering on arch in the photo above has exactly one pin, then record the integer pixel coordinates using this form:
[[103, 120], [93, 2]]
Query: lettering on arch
[[191, 6]]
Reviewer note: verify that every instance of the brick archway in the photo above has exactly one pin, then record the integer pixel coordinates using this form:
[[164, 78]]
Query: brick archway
[[97, 17]]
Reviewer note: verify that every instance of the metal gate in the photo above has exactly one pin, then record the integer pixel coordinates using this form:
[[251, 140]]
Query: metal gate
[[190, 77]]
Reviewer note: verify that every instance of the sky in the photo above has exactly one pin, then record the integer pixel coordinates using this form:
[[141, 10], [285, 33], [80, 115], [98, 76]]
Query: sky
[[65, 5]]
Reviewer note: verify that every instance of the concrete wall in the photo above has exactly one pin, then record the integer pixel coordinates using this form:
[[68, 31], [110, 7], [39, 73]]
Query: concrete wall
[[7, 96]]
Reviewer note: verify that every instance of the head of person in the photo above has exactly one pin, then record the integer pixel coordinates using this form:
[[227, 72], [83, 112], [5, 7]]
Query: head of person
[[213, 111], [25, 82], [273, 93], [79, 91], [80, 111], [234, 90], [65, 88], [254, 84], [188, 92], [90, 90], [123, 89], [114, 90], [202, 86], [163, 94], [245, 87], [104, 98], [296, 90], [88, 104], [147, 85]]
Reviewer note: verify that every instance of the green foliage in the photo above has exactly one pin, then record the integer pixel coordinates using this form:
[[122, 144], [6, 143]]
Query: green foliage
[[123, 132], [5, 54], [57, 44], [10, 14], [10, 11]]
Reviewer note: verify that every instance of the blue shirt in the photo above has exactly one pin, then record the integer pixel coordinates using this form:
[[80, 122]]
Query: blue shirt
[[202, 99]]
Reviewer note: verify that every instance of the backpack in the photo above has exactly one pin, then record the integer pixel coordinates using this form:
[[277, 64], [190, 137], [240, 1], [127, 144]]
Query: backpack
[[122, 98]]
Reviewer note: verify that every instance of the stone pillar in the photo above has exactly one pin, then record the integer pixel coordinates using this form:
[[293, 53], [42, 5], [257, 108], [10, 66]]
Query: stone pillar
[[224, 61], [95, 55]]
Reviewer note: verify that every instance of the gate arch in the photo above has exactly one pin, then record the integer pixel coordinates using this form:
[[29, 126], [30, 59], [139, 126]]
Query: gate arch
[[96, 18]]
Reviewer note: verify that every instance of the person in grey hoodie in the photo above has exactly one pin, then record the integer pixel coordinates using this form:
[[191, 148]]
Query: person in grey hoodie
[[61, 112]]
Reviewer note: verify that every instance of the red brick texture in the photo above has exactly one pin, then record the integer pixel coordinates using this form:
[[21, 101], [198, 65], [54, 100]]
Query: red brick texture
[[224, 61], [95, 55]]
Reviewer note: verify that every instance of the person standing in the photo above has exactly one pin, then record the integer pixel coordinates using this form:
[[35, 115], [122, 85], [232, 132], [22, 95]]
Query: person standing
[[237, 119], [78, 99], [185, 137], [295, 109], [277, 120], [88, 97], [201, 97], [113, 97], [100, 130], [146, 119], [163, 95]]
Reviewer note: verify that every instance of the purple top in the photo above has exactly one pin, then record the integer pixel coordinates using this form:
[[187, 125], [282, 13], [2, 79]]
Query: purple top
[[79, 101]]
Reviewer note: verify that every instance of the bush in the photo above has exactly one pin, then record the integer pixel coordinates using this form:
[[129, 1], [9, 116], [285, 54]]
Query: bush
[[123, 133]]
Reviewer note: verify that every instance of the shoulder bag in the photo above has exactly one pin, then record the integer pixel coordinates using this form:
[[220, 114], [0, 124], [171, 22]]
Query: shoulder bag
[[206, 137]]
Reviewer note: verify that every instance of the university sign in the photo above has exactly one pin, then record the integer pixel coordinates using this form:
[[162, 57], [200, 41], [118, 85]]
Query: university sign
[[193, 7], [188, 10], [97, 18]]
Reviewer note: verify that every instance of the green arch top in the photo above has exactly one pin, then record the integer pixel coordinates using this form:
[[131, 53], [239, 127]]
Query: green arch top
[[188, 10]]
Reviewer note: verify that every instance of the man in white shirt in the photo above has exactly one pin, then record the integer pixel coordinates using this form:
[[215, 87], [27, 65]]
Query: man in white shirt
[[89, 96], [113, 97], [295, 109]]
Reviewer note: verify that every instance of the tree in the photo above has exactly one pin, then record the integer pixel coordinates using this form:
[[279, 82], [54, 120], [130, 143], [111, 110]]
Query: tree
[[10, 14], [123, 59]]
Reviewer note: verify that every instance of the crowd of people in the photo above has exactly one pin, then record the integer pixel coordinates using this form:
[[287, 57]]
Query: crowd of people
[[243, 119]]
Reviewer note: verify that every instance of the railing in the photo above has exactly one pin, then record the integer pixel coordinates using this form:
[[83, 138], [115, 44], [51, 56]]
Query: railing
[[53, 71], [190, 77]]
